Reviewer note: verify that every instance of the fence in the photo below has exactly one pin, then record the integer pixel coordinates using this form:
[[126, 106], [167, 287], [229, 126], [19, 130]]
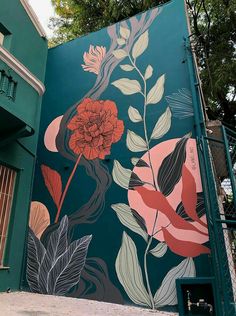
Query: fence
[[218, 155]]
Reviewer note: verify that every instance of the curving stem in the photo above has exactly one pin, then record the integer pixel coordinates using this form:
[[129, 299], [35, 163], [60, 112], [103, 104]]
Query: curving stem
[[66, 188]]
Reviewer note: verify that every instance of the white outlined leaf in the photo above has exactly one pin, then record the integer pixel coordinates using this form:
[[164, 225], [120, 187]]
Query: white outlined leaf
[[134, 115], [120, 41], [166, 294], [134, 142], [140, 45], [160, 250], [126, 67], [156, 93], [129, 272], [119, 53], [121, 175], [124, 32], [163, 125], [127, 86], [148, 72], [127, 218]]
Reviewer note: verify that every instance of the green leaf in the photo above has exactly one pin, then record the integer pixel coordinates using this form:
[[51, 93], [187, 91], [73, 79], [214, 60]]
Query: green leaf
[[156, 93], [138, 162], [135, 143], [126, 217], [140, 45], [148, 72], [120, 41], [159, 250], [166, 294], [119, 53], [129, 272], [126, 67], [124, 32], [163, 125], [127, 86], [121, 175], [134, 115]]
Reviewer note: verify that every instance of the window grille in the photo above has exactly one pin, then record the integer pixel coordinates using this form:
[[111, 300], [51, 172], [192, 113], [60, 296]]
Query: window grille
[[7, 184]]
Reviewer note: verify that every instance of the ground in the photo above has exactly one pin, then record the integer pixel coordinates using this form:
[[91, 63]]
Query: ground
[[30, 304]]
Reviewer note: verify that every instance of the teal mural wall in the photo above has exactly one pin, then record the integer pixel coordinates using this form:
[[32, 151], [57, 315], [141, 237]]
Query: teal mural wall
[[118, 210]]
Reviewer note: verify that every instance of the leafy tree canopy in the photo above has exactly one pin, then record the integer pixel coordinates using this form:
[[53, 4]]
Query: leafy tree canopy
[[213, 39]]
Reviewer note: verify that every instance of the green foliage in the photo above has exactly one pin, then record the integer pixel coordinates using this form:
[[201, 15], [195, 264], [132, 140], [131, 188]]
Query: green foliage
[[79, 17], [214, 40]]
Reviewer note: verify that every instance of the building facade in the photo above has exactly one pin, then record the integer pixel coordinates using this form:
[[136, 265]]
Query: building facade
[[23, 53]]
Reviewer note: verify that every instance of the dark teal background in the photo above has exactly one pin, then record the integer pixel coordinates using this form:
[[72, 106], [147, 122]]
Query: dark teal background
[[67, 83]]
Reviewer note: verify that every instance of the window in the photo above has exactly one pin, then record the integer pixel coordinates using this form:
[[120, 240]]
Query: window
[[1, 38], [7, 184]]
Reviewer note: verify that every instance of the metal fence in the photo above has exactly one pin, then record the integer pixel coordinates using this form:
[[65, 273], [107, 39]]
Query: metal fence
[[218, 155]]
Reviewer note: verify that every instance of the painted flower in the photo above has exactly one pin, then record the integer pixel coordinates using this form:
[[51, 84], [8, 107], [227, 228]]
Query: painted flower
[[95, 128], [93, 58]]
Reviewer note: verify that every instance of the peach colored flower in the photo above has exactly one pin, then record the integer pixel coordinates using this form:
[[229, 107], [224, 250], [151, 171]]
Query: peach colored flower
[[95, 128], [93, 58]]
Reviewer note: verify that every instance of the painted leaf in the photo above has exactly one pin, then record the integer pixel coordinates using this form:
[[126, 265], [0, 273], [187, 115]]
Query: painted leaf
[[184, 248], [124, 32], [200, 208], [52, 180], [121, 175], [35, 255], [127, 86], [138, 162], [127, 218], [140, 220], [126, 67], [134, 115], [134, 142], [67, 269], [135, 181], [171, 168], [166, 294], [120, 41], [119, 53], [148, 72], [163, 125], [160, 250], [39, 218], [181, 104], [57, 245], [156, 93], [140, 45], [157, 201], [129, 272], [189, 195]]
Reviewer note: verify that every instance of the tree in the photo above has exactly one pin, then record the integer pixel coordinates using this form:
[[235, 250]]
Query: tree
[[213, 39], [79, 17]]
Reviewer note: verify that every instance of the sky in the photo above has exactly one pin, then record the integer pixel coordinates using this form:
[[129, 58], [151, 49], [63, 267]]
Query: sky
[[44, 11]]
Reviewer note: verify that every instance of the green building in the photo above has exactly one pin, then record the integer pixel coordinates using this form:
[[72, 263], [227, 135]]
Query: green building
[[23, 54]]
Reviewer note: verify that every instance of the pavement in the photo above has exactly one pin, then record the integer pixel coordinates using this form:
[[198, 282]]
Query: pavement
[[31, 304]]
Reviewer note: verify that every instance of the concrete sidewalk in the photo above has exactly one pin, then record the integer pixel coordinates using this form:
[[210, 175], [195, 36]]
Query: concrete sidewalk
[[30, 304]]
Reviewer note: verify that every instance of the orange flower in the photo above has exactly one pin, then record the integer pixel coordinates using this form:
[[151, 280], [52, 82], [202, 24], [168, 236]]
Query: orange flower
[[95, 128], [93, 58]]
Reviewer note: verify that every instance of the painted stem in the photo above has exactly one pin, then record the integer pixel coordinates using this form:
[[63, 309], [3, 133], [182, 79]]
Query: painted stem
[[153, 177], [66, 188]]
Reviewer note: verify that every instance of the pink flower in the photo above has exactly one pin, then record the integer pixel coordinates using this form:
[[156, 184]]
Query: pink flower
[[93, 58]]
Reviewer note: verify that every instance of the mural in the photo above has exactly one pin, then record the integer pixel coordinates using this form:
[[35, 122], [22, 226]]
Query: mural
[[118, 212]]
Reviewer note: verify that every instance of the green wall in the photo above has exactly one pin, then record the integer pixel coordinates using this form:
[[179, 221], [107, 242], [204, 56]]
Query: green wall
[[30, 49], [118, 189]]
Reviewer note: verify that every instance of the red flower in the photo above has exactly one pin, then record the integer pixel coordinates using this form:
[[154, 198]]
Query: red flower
[[95, 128]]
